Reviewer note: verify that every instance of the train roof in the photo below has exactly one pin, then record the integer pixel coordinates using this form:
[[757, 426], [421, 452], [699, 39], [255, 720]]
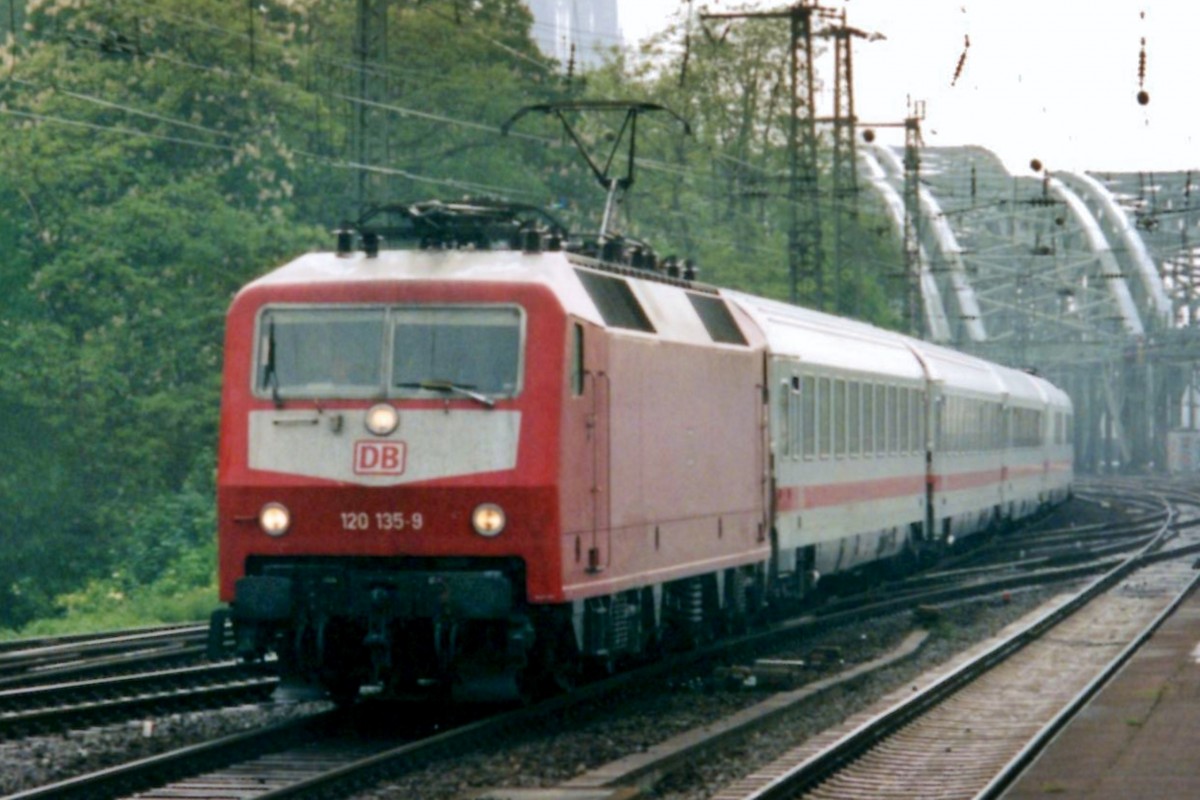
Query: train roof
[[824, 340], [400, 265], [671, 313], [665, 304]]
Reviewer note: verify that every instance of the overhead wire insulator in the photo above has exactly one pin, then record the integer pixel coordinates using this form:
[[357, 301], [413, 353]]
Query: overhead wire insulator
[[962, 59], [1143, 97]]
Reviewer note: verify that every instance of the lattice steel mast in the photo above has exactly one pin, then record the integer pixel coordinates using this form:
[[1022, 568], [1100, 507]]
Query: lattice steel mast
[[805, 256]]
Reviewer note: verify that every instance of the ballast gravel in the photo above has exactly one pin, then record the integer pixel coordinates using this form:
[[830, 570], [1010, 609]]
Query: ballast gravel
[[591, 739], [41, 760]]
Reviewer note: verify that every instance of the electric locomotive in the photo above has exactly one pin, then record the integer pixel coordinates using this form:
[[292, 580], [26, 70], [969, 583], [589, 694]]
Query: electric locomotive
[[459, 465]]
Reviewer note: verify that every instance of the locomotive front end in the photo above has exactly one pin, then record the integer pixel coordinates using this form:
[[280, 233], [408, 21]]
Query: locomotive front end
[[386, 505]]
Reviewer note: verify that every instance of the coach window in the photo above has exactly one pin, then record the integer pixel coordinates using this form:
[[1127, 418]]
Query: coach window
[[881, 419], [960, 425], [942, 424], [839, 418], [789, 416], [825, 416], [808, 411], [893, 419], [1021, 429], [965, 425], [954, 442], [975, 425], [918, 420], [970, 426], [985, 439], [795, 416], [785, 414], [985, 427], [855, 418], [910, 422], [905, 421], [914, 420], [868, 419], [916, 411]]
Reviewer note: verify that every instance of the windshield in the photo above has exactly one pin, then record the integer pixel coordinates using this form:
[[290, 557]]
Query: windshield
[[477, 350], [389, 352]]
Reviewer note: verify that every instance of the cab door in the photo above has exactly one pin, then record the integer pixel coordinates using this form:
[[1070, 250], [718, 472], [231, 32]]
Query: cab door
[[597, 458]]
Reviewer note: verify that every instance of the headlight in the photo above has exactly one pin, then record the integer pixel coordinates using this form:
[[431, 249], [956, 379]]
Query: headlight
[[488, 519], [274, 519], [382, 419]]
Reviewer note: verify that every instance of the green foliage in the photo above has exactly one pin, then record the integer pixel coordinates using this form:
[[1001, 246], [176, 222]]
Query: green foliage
[[103, 605], [159, 154]]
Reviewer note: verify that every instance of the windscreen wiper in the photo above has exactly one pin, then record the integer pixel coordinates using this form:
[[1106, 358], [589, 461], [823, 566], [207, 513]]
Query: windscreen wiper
[[270, 376], [450, 387]]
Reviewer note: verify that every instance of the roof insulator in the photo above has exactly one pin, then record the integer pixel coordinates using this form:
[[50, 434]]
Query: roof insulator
[[345, 239], [531, 240], [371, 241], [610, 250]]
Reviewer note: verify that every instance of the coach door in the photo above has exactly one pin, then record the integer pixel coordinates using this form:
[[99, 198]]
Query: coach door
[[597, 389]]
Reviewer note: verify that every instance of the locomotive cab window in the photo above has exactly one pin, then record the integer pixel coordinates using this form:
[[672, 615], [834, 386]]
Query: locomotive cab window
[[320, 352], [350, 352], [472, 348]]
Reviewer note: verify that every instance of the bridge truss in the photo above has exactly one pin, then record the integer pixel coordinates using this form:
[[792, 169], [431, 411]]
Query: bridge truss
[[1092, 280]]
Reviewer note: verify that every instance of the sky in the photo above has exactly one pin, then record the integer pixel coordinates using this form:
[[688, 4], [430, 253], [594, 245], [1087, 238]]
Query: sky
[[1052, 80]]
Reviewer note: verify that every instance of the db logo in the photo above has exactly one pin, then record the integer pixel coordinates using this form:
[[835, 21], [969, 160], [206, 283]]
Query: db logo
[[379, 458]]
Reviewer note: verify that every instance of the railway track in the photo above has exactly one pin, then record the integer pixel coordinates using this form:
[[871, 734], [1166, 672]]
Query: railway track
[[969, 731], [29, 662], [61, 706], [215, 764], [61, 683], [963, 733]]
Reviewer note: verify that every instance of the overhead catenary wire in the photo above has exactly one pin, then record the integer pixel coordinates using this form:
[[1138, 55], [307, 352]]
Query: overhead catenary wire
[[125, 108], [12, 112], [395, 108], [695, 179]]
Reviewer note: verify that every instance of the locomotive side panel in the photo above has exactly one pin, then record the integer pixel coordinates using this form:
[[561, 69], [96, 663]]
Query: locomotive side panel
[[681, 439], [668, 441]]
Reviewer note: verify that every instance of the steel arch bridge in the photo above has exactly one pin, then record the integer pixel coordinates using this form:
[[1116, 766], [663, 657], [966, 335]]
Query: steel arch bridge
[[1091, 279]]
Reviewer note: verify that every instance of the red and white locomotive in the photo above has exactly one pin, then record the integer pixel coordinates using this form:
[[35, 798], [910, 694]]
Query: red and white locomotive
[[464, 465]]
